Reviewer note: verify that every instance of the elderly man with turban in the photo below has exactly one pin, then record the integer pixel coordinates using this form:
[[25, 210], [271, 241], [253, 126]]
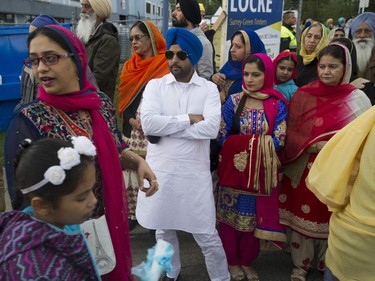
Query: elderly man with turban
[[182, 111], [102, 44], [187, 15], [363, 31]]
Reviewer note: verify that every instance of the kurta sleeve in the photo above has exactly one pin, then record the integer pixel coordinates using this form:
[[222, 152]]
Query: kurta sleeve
[[154, 123], [209, 127], [226, 120], [279, 132]]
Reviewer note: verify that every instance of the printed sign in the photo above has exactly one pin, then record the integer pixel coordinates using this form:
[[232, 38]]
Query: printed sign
[[262, 16]]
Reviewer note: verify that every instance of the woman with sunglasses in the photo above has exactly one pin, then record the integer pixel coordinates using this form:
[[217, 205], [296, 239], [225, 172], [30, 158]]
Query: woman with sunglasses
[[147, 62], [229, 77], [68, 105], [253, 130]]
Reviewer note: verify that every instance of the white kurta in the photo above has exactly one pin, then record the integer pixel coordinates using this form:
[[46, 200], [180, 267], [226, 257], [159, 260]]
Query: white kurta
[[180, 159]]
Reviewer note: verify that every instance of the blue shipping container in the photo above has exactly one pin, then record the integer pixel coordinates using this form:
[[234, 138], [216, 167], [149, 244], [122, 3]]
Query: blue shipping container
[[13, 48]]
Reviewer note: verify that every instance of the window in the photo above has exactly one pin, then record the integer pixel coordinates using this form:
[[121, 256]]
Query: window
[[148, 8], [6, 18]]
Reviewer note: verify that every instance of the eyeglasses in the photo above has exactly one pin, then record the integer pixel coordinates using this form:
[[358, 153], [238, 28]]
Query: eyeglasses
[[182, 55], [48, 60], [136, 37]]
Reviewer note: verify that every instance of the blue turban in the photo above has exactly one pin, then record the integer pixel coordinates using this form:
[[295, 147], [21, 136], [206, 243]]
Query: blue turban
[[366, 17], [187, 41], [43, 20]]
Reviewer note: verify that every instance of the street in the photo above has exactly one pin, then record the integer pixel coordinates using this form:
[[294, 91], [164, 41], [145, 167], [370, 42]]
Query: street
[[271, 265]]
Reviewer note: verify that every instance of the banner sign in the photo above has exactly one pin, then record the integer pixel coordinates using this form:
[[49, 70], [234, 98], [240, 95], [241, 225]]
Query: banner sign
[[262, 16]]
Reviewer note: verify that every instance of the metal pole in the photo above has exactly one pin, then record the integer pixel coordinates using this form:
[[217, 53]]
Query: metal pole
[[298, 31], [165, 16]]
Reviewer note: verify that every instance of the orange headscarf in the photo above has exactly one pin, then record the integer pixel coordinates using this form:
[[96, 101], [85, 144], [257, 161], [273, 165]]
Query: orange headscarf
[[136, 72]]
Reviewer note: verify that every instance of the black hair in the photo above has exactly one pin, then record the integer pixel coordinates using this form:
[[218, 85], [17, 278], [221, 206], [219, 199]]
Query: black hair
[[33, 161], [335, 51], [286, 14], [257, 60], [353, 53], [51, 34], [241, 36], [289, 58], [142, 26], [340, 29]]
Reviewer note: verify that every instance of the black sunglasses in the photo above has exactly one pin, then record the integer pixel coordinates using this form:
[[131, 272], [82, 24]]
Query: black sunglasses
[[182, 55]]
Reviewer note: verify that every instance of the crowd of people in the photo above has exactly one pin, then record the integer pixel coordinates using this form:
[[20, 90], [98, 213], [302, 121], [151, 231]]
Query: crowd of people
[[294, 135]]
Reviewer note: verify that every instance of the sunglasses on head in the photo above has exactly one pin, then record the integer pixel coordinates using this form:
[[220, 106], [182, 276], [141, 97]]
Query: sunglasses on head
[[182, 55]]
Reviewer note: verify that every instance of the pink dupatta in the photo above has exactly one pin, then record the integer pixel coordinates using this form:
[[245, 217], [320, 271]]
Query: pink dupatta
[[107, 155]]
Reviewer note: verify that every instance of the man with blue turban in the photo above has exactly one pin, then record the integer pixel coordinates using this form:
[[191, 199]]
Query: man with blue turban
[[187, 15], [363, 31], [182, 111]]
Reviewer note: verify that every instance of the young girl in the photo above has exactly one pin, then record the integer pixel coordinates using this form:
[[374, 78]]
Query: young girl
[[44, 241], [286, 70], [253, 130]]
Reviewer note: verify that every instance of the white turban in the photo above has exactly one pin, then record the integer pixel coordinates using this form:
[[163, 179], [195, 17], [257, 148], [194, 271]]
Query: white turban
[[103, 8]]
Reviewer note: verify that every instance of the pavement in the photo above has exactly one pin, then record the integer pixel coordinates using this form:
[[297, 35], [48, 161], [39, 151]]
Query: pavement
[[272, 264]]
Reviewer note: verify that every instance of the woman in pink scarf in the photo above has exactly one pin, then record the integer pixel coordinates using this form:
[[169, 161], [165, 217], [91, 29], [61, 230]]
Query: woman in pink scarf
[[68, 105], [252, 131], [316, 112]]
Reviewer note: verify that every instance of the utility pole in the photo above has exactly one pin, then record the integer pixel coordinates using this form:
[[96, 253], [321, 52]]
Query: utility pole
[[165, 16]]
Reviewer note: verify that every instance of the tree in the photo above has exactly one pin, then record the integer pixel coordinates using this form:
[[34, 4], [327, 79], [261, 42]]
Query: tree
[[322, 10], [210, 6]]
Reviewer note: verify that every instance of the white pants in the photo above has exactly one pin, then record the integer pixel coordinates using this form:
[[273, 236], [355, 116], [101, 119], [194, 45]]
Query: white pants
[[212, 249]]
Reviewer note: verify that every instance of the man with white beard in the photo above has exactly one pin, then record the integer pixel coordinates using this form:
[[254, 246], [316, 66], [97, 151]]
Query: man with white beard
[[362, 31], [102, 45]]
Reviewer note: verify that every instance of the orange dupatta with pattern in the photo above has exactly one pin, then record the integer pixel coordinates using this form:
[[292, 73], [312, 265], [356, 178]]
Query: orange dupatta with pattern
[[136, 72]]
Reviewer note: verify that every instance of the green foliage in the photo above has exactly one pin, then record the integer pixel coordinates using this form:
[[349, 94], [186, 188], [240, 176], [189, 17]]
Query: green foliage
[[209, 5], [321, 10]]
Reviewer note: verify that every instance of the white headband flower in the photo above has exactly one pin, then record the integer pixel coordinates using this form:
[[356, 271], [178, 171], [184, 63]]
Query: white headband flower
[[84, 146], [69, 157], [55, 175]]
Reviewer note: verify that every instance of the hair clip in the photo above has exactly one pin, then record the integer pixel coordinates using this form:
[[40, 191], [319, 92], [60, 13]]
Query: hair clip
[[25, 143]]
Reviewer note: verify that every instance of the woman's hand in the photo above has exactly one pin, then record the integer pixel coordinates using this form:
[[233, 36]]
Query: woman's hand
[[145, 173], [135, 123], [219, 79], [131, 160]]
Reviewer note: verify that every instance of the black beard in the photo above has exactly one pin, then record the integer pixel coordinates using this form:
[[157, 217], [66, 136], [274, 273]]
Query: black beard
[[181, 23]]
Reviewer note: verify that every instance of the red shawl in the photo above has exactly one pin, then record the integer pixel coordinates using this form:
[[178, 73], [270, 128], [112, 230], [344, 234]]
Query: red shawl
[[107, 155], [317, 111]]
